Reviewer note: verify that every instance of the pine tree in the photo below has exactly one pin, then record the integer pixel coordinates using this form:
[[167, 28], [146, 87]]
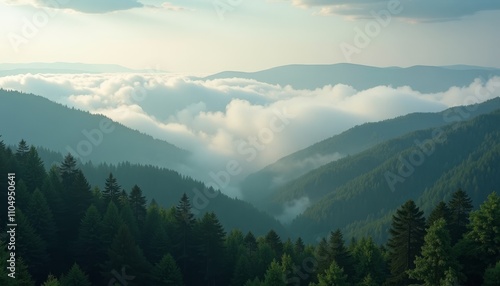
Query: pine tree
[[166, 272], [79, 198], [51, 281], [185, 240], [41, 217], [128, 218], [334, 275], [89, 246], [138, 204], [440, 211], [33, 171], [274, 275], [406, 239], [485, 229], [212, 237], [299, 247], [111, 191], [369, 261], [22, 150], [436, 257], [492, 275], [22, 276], [250, 242], [274, 241], [31, 247], [460, 207], [124, 252], [75, 277], [154, 236], [242, 271], [67, 171], [111, 223], [338, 252]]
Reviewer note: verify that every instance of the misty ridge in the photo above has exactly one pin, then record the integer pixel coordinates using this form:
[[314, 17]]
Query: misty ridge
[[269, 154]]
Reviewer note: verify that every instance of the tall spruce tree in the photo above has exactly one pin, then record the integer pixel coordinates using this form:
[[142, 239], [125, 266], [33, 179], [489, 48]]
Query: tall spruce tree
[[274, 241], [460, 207], [485, 229], [166, 272], [338, 252], [138, 204], [406, 238], [212, 236], [112, 189], [334, 275], [436, 257], [186, 244], [75, 277], [89, 246], [440, 211]]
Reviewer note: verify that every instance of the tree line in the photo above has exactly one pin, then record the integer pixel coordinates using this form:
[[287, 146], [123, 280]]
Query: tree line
[[70, 233]]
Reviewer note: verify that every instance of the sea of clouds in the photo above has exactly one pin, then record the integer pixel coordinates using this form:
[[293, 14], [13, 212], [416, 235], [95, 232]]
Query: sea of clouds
[[213, 118]]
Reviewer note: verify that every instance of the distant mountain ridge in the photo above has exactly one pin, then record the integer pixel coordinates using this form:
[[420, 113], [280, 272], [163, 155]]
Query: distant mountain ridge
[[89, 137], [426, 79]]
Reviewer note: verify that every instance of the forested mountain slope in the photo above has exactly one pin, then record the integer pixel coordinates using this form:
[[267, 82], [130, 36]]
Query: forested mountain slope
[[259, 186], [425, 166], [42, 122]]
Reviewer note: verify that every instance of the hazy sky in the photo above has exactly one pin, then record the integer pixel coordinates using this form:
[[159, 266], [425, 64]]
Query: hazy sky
[[216, 35]]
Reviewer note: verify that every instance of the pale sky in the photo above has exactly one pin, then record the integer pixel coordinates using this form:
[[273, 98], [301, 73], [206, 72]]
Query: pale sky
[[249, 35]]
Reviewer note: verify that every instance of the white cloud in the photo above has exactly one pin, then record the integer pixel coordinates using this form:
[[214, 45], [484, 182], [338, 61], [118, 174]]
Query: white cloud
[[415, 11], [236, 119]]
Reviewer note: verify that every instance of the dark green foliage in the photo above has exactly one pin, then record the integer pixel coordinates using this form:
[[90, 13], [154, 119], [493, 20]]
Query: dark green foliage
[[212, 236], [441, 211], [41, 218], [406, 239], [460, 207], [369, 262], [111, 191], [111, 222], [155, 240], [75, 277], [492, 275], [125, 253], [485, 229], [138, 204], [274, 275], [31, 247], [436, 257], [166, 272], [89, 247], [185, 240], [51, 281], [334, 275], [274, 241]]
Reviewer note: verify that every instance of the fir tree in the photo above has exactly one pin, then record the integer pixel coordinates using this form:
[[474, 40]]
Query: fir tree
[[274, 241], [138, 204], [274, 275], [334, 275], [75, 277], [212, 236], [436, 257], [460, 207], [89, 246], [111, 191], [166, 272], [406, 239]]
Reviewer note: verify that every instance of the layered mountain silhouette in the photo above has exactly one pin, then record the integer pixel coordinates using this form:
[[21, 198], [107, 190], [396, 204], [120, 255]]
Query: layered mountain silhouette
[[426, 79]]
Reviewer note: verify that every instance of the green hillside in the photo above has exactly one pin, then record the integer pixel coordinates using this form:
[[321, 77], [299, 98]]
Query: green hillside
[[359, 190]]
